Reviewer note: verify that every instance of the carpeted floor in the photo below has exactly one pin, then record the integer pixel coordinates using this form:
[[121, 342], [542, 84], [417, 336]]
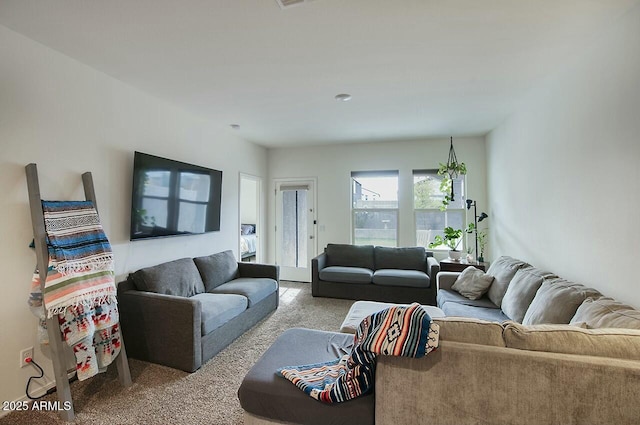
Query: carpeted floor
[[160, 395]]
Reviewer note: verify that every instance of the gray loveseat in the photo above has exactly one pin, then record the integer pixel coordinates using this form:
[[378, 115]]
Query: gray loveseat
[[182, 313], [365, 272]]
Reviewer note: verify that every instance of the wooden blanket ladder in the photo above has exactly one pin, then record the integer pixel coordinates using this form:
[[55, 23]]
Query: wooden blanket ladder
[[53, 328]]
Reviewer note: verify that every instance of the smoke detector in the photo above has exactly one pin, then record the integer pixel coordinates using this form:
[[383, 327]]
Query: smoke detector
[[285, 4]]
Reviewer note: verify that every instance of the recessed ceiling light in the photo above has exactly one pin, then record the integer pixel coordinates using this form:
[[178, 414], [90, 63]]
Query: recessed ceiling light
[[343, 97], [235, 126]]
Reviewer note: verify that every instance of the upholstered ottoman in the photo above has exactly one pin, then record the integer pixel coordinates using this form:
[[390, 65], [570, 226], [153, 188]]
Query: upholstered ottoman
[[270, 399], [361, 309]]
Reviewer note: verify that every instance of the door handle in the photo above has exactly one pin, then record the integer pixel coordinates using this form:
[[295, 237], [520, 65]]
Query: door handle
[[311, 237]]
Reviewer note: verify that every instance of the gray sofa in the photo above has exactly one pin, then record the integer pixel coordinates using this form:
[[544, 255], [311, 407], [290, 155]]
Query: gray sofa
[[182, 313], [365, 272]]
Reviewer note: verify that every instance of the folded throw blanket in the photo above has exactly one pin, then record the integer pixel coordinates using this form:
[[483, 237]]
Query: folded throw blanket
[[80, 267], [397, 331]]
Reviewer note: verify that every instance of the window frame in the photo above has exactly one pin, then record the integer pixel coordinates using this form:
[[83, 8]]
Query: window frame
[[355, 210], [448, 209]]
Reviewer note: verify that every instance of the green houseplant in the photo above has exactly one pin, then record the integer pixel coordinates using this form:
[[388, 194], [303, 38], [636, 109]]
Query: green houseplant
[[449, 171], [482, 244], [451, 239]]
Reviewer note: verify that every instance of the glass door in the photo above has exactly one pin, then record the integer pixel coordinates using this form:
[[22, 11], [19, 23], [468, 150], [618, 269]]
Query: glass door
[[295, 229]]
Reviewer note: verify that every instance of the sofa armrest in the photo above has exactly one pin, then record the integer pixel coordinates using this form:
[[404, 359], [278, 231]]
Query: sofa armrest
[[445, 280], [317, 263], [433, 267], [496, 385], [163, 329], [259, 270]]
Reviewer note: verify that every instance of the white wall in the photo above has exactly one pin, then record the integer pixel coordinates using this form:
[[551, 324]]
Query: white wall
[[248, 201], [68, 119], [332, 166], [563, 170]]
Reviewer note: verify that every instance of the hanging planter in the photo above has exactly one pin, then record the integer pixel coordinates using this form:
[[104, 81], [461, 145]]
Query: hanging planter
[[449, 172]]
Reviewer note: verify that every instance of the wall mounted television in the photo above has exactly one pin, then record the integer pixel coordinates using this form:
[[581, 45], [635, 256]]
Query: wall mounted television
[[172, 198]]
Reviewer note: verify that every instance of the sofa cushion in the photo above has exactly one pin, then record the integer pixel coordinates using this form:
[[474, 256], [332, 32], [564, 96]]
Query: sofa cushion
[[503, 270], [392, 277], [605, 312], [217, 269], [255, 289], [556, 302], [412, 258], [470, 330], [569, 339], [521, 291], [350, 255], [178, 277], [218, 309], [484, 313], [446, 295], [346, 274], [472, 283]]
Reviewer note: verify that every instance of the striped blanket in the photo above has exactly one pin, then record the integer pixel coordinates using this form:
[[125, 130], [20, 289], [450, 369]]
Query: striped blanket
[[80, 267], [397, 331], [80, 285]]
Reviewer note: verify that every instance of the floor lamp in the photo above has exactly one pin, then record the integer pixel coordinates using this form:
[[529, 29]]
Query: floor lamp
[[476, 219]]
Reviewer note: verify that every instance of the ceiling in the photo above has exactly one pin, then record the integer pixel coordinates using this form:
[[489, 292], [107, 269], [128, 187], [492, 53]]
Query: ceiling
[[415, 68]]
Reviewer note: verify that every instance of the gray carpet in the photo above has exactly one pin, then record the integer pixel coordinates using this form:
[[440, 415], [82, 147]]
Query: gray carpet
[[160, 395]]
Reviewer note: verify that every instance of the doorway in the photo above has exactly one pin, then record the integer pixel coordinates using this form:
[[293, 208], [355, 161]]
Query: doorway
[[295, 228], [250, 223]]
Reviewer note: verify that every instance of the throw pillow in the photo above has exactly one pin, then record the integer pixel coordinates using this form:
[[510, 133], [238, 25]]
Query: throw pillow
[[472, 283]]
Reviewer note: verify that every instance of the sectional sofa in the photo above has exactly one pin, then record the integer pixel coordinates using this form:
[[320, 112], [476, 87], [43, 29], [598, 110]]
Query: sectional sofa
[[365, 272], [576, 360], [182, 313]]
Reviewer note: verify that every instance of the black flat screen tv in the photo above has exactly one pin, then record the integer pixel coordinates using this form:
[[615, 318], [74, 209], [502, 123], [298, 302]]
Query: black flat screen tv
[[172, 198]]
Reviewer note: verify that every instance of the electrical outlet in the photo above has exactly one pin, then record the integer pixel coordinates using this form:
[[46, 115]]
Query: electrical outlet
[[24, 355]]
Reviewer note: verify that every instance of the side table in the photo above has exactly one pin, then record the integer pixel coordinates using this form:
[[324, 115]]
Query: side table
[[449, 265]]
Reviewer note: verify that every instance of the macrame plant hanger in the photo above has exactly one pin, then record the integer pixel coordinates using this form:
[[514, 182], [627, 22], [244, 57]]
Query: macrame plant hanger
[[53, 328]]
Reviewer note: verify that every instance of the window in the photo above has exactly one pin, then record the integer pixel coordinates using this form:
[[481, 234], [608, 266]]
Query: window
[[374, 208], [427, 199]]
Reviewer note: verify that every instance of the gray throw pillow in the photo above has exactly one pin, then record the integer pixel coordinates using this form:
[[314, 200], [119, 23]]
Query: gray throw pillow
[[503, 270], [472, 283], [217, 269], [521, 291], [178, 277]]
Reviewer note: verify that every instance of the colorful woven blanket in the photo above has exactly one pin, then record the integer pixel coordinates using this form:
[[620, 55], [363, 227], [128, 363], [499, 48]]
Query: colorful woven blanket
[[94, 335], [80, 259], [80, 285], [397, 331]]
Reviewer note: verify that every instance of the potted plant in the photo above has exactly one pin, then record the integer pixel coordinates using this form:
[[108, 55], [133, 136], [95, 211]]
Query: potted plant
[[482, 244], [449, 171], [451, 239]]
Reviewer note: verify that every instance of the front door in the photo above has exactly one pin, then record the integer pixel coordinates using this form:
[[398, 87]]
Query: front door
[[295, 228]]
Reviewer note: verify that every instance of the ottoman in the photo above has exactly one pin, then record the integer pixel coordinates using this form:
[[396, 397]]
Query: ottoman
[[270, 399], [360, 309]]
